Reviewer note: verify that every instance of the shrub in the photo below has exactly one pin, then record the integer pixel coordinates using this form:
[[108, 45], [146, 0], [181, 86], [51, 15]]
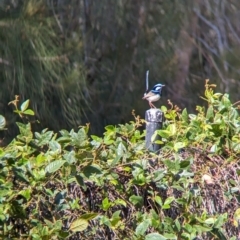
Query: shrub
[[72, 186]]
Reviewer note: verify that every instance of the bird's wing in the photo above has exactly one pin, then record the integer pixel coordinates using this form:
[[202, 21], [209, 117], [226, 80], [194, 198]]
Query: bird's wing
[[148, 95]]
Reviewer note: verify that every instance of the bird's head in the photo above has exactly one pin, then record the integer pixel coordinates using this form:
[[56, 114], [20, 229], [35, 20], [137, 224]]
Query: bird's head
[[157, 89]]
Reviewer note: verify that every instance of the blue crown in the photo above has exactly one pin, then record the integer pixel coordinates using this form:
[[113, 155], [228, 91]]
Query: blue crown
[[157, 89]]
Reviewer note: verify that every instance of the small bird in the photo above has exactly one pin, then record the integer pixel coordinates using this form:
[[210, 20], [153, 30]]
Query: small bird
[[154, 95]]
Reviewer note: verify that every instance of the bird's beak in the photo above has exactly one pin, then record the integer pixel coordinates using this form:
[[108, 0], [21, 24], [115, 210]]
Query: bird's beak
[[163, 85]]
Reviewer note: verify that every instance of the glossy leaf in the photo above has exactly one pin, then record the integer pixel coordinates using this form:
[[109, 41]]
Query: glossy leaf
[[24, 105]]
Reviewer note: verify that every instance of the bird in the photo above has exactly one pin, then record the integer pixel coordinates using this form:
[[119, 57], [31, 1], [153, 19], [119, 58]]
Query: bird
[[154, 95]]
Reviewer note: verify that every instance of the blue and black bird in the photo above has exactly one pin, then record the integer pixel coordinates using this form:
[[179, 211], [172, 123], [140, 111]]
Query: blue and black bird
[[154, 95]]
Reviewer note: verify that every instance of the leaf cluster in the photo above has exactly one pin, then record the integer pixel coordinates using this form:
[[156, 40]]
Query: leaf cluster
[[75, 186]]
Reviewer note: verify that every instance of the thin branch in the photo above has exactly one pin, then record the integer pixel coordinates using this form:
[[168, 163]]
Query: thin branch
[[214, 27], [56, 17], [231, 29], [221, 23], [217, 69], [212, 50]]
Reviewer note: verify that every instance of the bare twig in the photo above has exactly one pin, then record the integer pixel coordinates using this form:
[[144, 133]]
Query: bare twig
[[56, 17], [232, 29], [206, 45], [214, 27]]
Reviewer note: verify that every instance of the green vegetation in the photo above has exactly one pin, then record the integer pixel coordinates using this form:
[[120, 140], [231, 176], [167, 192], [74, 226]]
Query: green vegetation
[[72, 186]]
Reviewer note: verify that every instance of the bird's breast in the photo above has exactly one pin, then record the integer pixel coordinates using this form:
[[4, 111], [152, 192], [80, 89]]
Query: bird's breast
[[154, 98]]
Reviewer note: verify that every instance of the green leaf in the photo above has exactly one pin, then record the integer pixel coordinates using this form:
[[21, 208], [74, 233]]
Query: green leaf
[[81, 182], [225, 100], [25, 131], [155, 236], [184, 164], [20, 174], [178, 225], [54, 166], [236, 217], [167, 203], [36, 237], [213, 148], [220, 220], [92, 170], [185, 173], [164, 133], [179, 145], [136, 200], [120, 202], [169, 200], [185, 115], [26, 193], [159, 174], [210, 113], [210, 221], [115, 219], [96, 138], [142, 227], [4, 193], [202, 229], [115, 160], [40, 159], [89, 216], [79, 225], [188, 227], [24, 105], [110, 128], [170, 236], [29, 112], [55, 146], [159, 200], [106, 204], [121, 149], [70, 157], [172, 129], [2, 122]]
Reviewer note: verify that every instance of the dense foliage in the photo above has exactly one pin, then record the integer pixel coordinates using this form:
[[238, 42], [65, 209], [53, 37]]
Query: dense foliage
[[72, 186], [85, 61]]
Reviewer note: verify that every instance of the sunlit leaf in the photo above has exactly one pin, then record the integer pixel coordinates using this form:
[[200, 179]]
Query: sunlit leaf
[[236, 217], [54, 166], [24, 105], [179, 145], [29, 112], [142, 227], [184, 115], [210, 221], [155, 236], [159, 200], [26, 193], [79, 225], [2, 122]]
